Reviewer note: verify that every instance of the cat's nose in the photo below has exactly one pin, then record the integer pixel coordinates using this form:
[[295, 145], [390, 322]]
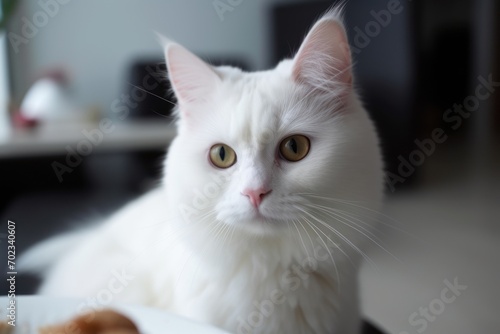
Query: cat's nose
[[256, 195]]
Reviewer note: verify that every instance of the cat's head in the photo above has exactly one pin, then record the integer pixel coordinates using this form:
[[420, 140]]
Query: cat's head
[[258, 151]]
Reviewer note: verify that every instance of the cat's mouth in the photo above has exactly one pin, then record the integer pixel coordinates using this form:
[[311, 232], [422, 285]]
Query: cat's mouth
[[264, 219], [259, 217], [260, 225], [256, 221]]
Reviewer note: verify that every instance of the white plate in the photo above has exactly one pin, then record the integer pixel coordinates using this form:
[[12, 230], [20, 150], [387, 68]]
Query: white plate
[[33, 312]]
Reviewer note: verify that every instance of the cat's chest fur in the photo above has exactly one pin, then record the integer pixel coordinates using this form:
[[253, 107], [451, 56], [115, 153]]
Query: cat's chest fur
[[296, 296]]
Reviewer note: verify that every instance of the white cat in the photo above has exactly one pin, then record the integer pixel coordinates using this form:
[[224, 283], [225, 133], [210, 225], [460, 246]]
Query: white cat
[[259, 224]]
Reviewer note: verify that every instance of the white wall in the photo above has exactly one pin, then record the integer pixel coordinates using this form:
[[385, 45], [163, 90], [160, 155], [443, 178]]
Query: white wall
[[4, 87], [96, 40]]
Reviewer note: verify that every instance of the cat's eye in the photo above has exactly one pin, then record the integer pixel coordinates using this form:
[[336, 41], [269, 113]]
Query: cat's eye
[[295, 148], [222, 156]]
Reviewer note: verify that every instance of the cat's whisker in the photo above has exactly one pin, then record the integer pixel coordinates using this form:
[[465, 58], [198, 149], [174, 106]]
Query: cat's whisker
[[384, 224], [211, 213], [233, 229], [367, 227], [368, 223], [336, 245], [217, 233], [300, 236], [350, 243], [171, 120], [341, 236], [153, 94], [374, 225], [335, 214], [376, 214], [346, 221], [225, 236], [337, 275], [224, 232], [307, 233]]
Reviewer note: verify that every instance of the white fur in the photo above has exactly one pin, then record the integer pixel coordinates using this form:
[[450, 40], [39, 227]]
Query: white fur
[[197, 247]]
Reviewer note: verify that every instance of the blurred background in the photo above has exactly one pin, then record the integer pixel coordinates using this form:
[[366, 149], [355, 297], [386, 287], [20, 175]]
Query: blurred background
[[85, 123]]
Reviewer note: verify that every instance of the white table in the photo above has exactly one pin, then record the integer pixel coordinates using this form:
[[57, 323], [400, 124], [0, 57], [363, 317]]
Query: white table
[[52, 139], [33, 312]]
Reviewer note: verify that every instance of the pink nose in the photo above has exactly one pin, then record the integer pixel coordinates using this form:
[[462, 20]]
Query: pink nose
[[256, 195]]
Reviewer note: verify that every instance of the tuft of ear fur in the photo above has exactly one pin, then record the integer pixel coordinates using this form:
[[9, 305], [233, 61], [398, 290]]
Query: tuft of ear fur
[[192, 79], [323, 61]]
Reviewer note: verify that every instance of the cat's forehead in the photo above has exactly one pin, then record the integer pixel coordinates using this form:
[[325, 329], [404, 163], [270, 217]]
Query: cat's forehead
[[255, 108], [260, 108]]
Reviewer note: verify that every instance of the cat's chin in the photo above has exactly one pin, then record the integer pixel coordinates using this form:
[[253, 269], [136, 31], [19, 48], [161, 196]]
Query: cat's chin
[[258, 225]]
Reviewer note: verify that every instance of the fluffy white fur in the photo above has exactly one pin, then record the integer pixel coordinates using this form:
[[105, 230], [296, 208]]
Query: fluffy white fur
[[197, 247]]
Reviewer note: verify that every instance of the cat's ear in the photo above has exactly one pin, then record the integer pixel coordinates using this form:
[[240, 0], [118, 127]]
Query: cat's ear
[[191, 78], [323, 61]]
